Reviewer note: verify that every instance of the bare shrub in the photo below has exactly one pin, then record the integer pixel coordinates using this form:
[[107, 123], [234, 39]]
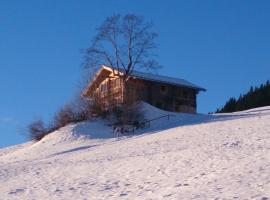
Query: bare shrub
[[37, 130], [97, 108], [82, 110], [79, 110], [128, 114], [64, 116]]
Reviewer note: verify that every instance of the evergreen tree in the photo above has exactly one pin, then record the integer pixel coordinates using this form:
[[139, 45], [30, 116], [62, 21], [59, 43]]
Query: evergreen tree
[[255, 97]]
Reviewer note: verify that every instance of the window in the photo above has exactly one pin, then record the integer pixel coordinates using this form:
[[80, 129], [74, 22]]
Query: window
[[163, 89], [185, 94], [103, 87], [117, 82]]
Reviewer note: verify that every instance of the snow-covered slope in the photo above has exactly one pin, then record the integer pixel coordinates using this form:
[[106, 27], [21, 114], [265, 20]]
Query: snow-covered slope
[[187, 157]]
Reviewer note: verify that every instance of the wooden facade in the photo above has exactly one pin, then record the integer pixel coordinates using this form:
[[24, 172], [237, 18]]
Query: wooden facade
[[110, 91]]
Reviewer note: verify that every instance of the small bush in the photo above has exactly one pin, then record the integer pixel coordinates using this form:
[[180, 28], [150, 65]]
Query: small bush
[[37, 130], [118, 113], [64, 116], [128, 115], [79, 111], [83, 110], [97, 108]]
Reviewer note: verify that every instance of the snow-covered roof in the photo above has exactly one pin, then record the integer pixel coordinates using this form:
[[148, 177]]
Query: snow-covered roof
[[164, 79]]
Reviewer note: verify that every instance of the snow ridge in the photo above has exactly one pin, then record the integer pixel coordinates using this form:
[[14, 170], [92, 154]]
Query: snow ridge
[[224, 156]]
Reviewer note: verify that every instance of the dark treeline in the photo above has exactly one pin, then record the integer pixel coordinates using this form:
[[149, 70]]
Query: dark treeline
[[256, 97]]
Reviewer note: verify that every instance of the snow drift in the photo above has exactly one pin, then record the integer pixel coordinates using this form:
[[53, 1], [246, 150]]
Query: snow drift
[[225, 156]]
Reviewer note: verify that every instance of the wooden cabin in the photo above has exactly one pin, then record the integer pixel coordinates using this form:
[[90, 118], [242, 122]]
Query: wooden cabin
[[167, 93]]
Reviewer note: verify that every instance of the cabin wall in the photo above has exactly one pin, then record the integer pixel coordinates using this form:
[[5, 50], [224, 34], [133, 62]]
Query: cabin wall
[[108, 92], [164, 96]]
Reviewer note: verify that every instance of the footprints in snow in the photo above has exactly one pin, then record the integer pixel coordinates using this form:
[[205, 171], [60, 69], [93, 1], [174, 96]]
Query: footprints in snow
[[180, 185], [232, 144], [16, 191]]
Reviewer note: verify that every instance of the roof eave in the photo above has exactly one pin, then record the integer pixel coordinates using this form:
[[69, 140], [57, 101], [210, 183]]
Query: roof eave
[[202, 89], [85, 91], [180, 85]]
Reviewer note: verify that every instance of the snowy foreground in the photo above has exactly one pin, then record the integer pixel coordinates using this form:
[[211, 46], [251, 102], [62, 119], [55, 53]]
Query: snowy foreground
[[186, 157]]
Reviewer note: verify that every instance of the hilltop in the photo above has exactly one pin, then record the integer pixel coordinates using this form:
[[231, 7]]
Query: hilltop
[[222, 156]]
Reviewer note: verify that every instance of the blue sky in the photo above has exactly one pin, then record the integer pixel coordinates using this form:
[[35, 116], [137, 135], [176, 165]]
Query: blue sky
[[223, 46]]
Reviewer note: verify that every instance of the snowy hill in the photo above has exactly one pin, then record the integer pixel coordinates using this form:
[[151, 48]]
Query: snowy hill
[[225, 156]]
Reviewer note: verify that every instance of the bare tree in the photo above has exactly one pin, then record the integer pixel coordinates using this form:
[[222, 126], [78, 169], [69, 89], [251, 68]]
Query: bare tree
[[122, 42], [37, 130]]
